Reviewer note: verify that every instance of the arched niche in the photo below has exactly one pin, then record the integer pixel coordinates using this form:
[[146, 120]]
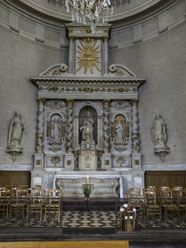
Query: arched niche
[[54, 131], [95, 105], [88, 113], [120, 130]]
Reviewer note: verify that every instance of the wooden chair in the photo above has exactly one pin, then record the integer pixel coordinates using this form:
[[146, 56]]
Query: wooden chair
[[18, 206], [133, 196], [54, 205], [153, 208], [150, 188], [182, 201], [35, 206], [184, 192], [134, 190], [5, 202], [134, 200], [168, 204], [36, 187], [47, 192], [177, 192], [3, 188], [14, 192], [127, 218], [162, 189]]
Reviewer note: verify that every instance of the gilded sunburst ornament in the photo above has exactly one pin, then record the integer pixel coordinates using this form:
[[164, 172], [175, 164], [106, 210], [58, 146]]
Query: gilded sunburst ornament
[[88, 55]]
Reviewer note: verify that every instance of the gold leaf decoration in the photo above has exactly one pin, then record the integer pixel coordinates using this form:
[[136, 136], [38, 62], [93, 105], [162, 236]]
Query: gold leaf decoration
[[88, 55]]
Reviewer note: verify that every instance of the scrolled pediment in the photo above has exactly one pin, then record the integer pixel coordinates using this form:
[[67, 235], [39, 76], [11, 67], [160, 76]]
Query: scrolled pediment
[[118, 70], [55, 70]]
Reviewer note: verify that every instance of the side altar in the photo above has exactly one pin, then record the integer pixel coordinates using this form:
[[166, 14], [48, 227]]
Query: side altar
[[88, 120]]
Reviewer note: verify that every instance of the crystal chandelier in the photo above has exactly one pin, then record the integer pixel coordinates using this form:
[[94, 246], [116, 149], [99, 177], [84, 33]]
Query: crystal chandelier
[[89, 11]]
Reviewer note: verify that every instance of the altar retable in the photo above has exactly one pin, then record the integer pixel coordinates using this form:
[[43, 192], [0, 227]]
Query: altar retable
[[88, 120]]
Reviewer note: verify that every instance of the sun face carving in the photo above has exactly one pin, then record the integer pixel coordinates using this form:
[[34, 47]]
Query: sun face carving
[[88, 55]]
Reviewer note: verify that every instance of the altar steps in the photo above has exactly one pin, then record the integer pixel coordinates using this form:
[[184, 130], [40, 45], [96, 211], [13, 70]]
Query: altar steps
[[89, 205], [89, 231]]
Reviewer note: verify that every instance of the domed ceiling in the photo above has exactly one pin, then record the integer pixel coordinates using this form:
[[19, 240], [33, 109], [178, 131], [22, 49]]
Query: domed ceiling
[[122, 8]]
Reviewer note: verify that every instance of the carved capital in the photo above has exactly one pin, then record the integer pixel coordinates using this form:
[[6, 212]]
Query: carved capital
[[40, 100], [70, 103], [106, 103], [134, 103]]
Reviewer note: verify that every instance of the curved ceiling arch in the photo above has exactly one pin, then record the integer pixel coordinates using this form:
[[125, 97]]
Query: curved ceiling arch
[[122, 9]]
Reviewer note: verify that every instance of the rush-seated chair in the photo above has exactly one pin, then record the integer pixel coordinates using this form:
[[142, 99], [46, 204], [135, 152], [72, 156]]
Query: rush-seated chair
[[53, 208], [169, 205], [153, 208], [5, 202]]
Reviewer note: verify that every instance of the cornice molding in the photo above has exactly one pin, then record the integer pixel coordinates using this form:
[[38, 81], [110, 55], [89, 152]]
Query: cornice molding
[[23, 12], [43, 18], [74, 26], [147, 14], [51, 13], [83, 82], [36, 17], [63, 15], [135, 11], [87, 88]]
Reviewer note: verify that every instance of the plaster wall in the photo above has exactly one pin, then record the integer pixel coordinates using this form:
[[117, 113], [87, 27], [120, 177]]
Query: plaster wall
[[21, 58], [162, 62]]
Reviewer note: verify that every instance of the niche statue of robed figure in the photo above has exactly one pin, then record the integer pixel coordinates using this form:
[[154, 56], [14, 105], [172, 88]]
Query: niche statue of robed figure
[[15, 135], [87, 132]]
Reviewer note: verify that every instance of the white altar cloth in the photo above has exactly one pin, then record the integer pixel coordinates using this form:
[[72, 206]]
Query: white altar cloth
[[91, 176]]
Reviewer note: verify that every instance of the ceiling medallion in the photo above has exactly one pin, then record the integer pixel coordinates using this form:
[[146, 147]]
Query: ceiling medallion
[[88, 55], [89, 11]]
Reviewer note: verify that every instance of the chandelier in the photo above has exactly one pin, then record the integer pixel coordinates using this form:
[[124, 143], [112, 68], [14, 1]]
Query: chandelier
[[89, 11]]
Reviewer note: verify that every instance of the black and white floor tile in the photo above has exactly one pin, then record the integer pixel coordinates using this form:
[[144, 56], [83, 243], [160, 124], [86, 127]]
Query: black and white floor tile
[[93, 219]]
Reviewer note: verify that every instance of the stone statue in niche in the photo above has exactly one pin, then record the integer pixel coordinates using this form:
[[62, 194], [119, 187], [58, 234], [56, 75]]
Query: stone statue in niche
[[88, 123], [55, 130], [87, 129], [159, 132], [120, 133], [159, 135], [15, 135]]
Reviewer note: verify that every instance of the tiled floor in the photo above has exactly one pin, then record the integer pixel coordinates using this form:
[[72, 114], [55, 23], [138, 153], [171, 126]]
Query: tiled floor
[[89, 219]]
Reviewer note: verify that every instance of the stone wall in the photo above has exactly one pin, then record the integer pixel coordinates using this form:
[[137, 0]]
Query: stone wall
[[161, 60], [20, 59]]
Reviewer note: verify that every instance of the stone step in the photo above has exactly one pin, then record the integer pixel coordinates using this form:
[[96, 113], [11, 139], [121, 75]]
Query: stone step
[[89, 205]]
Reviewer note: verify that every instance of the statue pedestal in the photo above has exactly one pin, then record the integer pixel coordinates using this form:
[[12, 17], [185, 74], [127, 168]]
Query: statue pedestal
[[87, 160], [37, 173], [136, 161], [162, 151], [69, 162], [106, 161]]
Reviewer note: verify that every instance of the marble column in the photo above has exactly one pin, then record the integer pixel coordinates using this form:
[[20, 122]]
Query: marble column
[[106, 56], [106, 125], [69, 156], [135, 132], [37, 173], [40, 127], [106, 158], [136, 155], [71, 54], [69, 128]]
